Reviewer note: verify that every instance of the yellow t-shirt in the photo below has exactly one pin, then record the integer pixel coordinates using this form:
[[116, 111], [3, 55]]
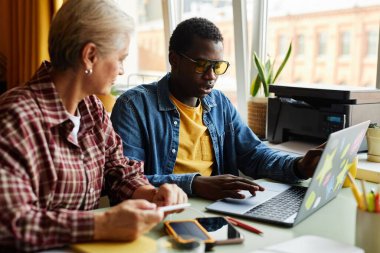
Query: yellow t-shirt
[[195, 153]]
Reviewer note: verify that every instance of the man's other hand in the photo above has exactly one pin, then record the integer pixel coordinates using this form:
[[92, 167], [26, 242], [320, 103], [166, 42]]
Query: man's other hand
[[307, 165]]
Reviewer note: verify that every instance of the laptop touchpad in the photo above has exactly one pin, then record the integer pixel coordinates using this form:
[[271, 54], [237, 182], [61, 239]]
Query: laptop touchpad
[[243, 205]]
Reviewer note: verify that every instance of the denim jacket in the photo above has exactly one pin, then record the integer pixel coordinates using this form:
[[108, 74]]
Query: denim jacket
[[148, 122]]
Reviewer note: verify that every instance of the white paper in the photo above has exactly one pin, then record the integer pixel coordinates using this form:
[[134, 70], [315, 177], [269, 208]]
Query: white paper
[[311, 244]]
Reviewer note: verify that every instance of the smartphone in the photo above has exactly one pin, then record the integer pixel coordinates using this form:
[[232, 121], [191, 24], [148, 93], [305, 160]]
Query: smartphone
[[181, 230], [221, 230], [174, 207]]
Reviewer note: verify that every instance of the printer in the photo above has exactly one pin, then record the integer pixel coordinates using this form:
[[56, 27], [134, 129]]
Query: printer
[[311, 112]]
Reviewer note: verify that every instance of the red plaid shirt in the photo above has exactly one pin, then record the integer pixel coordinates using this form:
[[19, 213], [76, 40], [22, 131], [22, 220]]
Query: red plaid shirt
[[47, 181]]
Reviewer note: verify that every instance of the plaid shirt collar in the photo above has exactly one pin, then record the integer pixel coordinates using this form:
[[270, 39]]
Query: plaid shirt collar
[[51, 104]]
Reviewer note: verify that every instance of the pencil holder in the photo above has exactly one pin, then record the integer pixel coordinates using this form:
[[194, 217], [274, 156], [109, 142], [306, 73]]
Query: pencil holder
[[368, 231]]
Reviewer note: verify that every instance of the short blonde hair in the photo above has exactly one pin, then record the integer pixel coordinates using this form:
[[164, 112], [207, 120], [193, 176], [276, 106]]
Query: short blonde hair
[[79, 22]]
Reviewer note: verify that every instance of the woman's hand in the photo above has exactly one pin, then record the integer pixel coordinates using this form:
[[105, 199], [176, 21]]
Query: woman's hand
[[126, 221], [169, 194]]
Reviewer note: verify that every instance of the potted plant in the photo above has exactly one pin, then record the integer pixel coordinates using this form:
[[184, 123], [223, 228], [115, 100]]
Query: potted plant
[[373, 142], [258, 104]]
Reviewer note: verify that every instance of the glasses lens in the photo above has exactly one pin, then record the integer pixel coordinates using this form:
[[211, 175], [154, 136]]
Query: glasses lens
[[202, 66], [220, 67]]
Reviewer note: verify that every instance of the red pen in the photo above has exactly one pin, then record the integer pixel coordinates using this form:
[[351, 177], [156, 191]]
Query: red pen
[[377, 200], [243, 225]]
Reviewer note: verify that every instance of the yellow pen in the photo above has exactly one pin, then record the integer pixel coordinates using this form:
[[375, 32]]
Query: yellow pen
[[364, 194], [371, 201], [356, 192]]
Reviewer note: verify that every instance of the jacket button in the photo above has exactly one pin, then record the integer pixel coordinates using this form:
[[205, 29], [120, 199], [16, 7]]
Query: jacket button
[[175, 122], [173, 150]]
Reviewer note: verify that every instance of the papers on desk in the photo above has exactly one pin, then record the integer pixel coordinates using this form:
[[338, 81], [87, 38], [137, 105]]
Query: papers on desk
[[310, 244], [293, 147], [368, 171], [142, 244]]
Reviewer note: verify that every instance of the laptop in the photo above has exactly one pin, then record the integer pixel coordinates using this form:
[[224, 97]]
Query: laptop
[[287, 205]]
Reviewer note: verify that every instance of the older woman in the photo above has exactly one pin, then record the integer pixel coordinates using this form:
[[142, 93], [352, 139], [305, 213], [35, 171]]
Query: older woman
[[58, 148]]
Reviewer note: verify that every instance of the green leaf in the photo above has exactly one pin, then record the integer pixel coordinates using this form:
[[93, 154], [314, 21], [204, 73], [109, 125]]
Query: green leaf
[[267, 66], [261, 74], [270, 76], [283, 62], [255, 85]]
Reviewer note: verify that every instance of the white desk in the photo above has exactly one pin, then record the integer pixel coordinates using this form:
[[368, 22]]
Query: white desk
[[336, 220]]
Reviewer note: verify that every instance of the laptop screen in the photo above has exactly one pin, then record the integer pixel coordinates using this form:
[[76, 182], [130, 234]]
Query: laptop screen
[[337, 157]]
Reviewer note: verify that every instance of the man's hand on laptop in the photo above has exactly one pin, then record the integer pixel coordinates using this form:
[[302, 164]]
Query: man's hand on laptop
[[223, 186], [306, 166]]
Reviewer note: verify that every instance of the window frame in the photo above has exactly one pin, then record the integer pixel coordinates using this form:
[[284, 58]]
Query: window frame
[[172, 11]]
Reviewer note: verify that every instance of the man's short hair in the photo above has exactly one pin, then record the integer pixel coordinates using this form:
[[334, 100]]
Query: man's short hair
[[183, 35]]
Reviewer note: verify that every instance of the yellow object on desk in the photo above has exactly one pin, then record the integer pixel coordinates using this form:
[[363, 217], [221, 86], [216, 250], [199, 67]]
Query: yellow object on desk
[[353, 169], [355, 190], [142, 244]]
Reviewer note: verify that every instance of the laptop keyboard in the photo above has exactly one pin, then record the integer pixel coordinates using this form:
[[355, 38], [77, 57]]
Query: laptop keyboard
[[281, 206]]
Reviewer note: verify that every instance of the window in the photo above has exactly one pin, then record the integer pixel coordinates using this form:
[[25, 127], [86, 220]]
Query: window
[[300, 45], [345, 42], [322, 44], [372, 40], [322, 31], [147, 57], [283, 43], [338, 37]]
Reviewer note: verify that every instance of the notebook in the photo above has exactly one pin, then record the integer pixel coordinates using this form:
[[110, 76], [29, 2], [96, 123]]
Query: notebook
[[141, 244], [310, 244], [287, 205]]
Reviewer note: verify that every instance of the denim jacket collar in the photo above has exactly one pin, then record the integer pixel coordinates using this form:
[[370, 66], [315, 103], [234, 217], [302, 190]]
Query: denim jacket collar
[[164, 102]]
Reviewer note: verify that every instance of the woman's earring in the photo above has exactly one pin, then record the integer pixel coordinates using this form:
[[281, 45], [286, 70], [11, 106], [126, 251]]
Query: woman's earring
[[88, 72]]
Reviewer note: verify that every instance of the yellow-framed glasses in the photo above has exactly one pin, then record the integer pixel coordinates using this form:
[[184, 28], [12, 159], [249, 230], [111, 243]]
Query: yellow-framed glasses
[[202, 65]]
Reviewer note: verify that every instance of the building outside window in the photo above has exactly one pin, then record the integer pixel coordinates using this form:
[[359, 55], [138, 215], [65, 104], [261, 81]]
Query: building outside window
[[147, 57], [322, 44], [345, 43], [372, 40], [321, 31], [339, 39], [300, 45], [283, 43]]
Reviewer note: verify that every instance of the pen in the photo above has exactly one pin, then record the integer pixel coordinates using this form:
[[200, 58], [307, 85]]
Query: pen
[[173, 207], [356, 192], [243, 225], [377, 200], [371, 201], [365, 202]]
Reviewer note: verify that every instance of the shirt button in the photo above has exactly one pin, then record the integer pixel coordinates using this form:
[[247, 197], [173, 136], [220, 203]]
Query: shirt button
[[175, 122], [92, 190], [173, 150]]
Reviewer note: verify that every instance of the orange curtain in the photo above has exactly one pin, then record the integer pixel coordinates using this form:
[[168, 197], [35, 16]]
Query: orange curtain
[[24, 28]]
